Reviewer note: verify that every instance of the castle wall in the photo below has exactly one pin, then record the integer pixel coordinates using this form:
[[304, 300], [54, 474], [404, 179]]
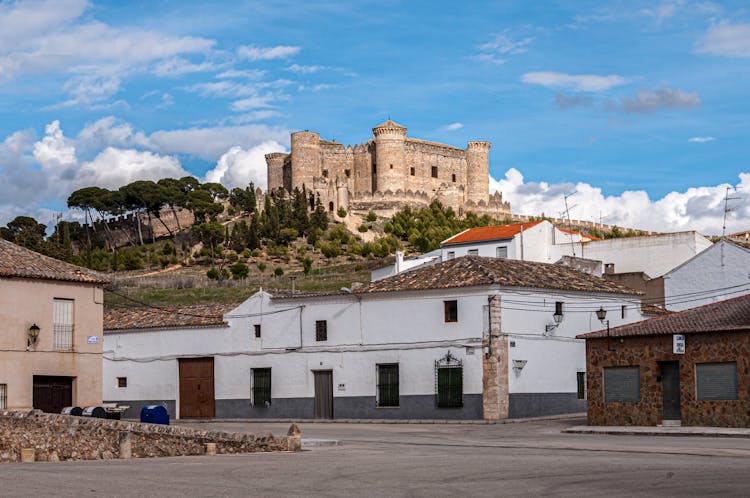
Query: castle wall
[[275, 168], [306, 158], [477, 171], [423, 156], [390, 162], [363, 161]]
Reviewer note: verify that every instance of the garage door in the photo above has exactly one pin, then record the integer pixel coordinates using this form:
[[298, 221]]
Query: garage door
[[52, 394], [197, 388]]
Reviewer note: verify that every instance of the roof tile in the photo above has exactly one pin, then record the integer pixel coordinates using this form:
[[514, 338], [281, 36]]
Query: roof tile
[[19, 262], [480, 234], [168, 317]]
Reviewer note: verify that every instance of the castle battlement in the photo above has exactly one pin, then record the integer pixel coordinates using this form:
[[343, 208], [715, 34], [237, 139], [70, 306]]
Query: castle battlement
[[387, 172]]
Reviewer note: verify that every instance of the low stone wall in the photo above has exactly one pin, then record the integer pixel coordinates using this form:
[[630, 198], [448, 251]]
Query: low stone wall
[[64, 437]]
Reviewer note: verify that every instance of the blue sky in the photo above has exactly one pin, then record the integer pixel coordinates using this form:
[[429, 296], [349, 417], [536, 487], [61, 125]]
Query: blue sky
[[641, 107]]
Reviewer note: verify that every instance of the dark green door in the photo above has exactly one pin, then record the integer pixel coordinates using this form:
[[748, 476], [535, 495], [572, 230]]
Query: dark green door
[[670, 385]]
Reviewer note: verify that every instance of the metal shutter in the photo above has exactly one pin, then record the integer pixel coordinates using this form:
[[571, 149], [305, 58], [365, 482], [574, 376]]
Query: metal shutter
[[716, 380], [622, 384]]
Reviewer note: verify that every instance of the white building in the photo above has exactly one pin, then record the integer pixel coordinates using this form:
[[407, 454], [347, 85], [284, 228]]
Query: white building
[[541, 241], [405, 264], [719, 272], [470, 338]]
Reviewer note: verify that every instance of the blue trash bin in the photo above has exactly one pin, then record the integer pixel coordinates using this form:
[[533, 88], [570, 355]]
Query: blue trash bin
[[155, 414]]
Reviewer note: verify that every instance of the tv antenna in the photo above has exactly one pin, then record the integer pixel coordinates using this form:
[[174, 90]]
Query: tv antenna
[[570, 226], [727, 209]]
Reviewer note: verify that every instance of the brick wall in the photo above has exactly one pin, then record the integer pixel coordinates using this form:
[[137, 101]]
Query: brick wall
[[647, 352]]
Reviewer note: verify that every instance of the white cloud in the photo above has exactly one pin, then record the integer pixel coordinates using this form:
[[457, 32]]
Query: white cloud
[[249, 117], [256, 102], [296, 68], [701, 140], [105, 132], [664, 98], [697, 208], [453, 126], [250, 74], [663, 11], [238, 167], [728, 40], [578, 82], [178, 66], [113, 167], [500, 47], [255, 53], [54, 150]]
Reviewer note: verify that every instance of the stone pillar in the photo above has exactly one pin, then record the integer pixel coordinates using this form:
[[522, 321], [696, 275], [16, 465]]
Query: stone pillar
[[495, 366], [294, 438], [125, 444], [478, 171]]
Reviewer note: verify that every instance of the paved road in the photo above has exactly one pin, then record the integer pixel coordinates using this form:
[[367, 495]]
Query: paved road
[[529, 459]]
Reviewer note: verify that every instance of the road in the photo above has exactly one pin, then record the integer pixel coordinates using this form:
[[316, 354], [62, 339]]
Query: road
[[523, 459]]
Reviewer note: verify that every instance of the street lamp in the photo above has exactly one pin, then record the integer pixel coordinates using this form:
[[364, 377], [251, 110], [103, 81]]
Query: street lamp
[[601, 314]]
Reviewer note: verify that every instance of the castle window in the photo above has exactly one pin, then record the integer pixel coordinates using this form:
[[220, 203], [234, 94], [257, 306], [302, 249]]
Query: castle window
[[348, 173], [413, 171], [325, 173], [391, 166], [453, 177], [434, 171], [374, 168], [330, 206]]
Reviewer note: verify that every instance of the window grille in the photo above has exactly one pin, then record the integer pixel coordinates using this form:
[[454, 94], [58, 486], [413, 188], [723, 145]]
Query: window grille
[[3, 396], [122, 382], [257, 329], [581, 378], [450, 309], [261, 386], [502, 252], [449, 382], [321, 330], [716, 381], [558, 308], [451, 254], [388, 385], [434, 172], [62, 324], [473, 252]]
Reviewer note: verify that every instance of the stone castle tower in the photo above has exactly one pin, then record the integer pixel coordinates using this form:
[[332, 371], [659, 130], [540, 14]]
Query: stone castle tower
[[387, 172]]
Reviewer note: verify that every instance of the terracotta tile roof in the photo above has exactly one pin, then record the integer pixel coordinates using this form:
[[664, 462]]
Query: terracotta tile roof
[[167, 317], [470, 271], [730, 315], [744, 234], [745, 244], [480, 234], [650, 309], [573, 232], [19, 262]]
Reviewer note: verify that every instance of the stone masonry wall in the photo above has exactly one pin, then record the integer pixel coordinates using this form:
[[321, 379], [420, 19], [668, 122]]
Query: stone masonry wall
[[65, 437], [646, 352]]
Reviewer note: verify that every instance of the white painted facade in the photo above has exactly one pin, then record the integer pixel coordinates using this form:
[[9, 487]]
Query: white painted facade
[[405, 264], [719, 272], [364, 330]]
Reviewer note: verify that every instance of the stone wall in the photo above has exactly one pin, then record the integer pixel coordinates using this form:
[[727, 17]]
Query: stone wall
[[647, 352], [64, 437], [495, 394]]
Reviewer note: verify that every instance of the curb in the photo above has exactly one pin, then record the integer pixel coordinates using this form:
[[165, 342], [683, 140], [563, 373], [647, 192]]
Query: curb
[[317, 443], [566, 416], [656, 432]]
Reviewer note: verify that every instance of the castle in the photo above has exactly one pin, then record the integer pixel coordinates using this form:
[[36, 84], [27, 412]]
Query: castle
[[387, 173]]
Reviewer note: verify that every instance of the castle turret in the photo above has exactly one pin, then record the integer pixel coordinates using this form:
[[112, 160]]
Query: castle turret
[[306, 158], [275, 168], [478, 171], [390, 166]]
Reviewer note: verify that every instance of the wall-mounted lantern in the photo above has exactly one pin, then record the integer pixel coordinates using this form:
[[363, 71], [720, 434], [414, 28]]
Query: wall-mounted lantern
[[601, 314], [519, 364], [33, 334]]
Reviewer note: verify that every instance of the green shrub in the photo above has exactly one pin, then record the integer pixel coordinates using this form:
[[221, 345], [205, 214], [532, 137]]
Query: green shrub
[[278, 271], [261, 266], [371, 216], [362, 228], [239, 271], [213, 274], [341, 212], [359, 267]]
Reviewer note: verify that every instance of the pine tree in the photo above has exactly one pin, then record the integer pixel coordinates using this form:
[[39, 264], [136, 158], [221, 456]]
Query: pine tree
[[319, 218], [301, 220]]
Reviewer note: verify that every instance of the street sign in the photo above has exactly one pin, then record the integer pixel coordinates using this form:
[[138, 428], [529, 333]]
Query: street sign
[[678, 344], [93, 339]]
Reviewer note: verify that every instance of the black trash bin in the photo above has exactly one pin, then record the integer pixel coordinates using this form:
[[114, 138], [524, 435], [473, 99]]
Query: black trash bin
[[155, 414], [94, 412]]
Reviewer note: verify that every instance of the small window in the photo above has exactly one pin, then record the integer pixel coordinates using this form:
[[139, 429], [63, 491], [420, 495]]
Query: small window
[[321, 330], [716, 381], [261, 387], [434, 172], [473, 252], [257, 329], [62, 324], [122, 382], [502, 252], [391, 166], [623, 311], [450, 309], [622, 384], [451, 255], [453, 178], [388, 385], [330, 206], [374, 169], [325, 173], [581, 380], [450, 387], [558, 308], [412, 171], [3, 396], [348, 173]]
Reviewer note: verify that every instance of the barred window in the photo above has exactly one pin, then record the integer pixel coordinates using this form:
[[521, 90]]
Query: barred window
[[256, 327], [62, 324], [501, 252], [321, 330], [473, 252], [261, 386], [388, 385], [3, 396], [434, 171], [122, 382], [451, 255]]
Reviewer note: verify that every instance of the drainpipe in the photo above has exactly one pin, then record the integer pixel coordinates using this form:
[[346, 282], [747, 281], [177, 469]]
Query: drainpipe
[[490, 299], [521, 241]]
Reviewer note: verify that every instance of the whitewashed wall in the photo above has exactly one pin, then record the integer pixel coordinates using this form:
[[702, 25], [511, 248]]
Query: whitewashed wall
[[721, 266]]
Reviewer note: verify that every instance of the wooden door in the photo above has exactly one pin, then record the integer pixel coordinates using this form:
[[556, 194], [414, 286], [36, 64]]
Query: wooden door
[[197, 388], [670, 385], [323, 393], [52, 394]]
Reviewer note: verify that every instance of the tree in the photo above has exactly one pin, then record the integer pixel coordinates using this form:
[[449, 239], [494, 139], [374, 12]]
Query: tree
[[211, 234], [319, 218], [253, 233], [243, 200], [300, 218], [239, 271], [174, 196], [27, 232], [217, 191], [202, 204], [86, 199]]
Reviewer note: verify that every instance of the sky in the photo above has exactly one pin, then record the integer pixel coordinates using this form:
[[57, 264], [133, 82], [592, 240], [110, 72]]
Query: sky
[[640, 109]]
